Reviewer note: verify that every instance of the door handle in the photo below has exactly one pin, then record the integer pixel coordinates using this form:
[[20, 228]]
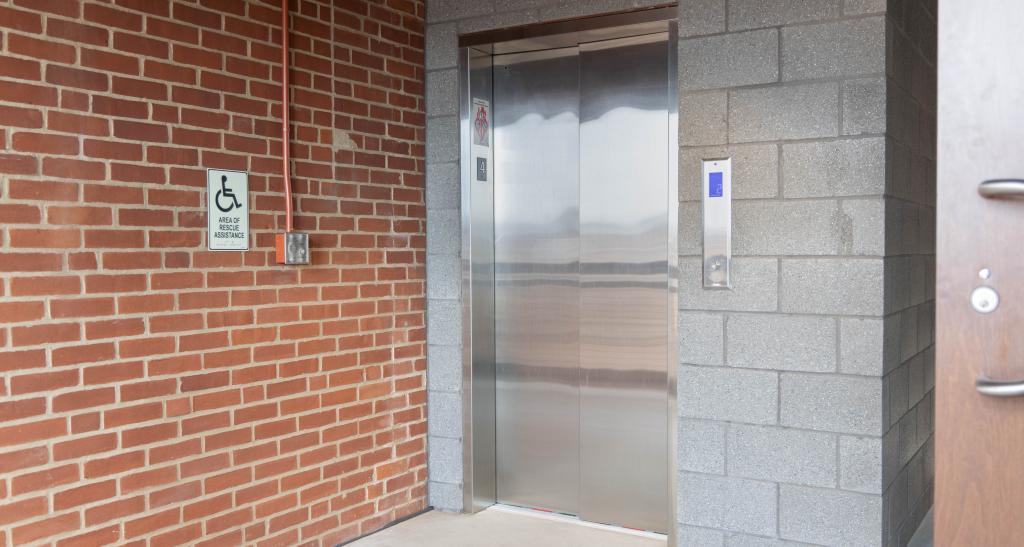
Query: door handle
[[995, 388], [1002, 188]]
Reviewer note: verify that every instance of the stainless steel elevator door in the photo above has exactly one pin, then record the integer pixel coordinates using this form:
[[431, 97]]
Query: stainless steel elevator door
[[582, 298], [536, 254], [624, 297]]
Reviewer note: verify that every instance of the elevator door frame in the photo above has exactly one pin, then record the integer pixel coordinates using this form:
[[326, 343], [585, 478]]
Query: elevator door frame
[[477, 219]]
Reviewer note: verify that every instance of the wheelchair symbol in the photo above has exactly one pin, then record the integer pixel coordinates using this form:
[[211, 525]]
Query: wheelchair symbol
[[226, 193]]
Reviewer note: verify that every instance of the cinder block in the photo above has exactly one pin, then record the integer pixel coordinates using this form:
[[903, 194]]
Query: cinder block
[[444, 232], [729, 60], [701, 338], [745, 14], [500, 20], [728, 503], [915, 379], [860, 464], [898, 387], [444, 322], [443, 139], [908, 436], [830, 517], [784, 112], [691, 536], [843, 404], [743, 540], [442, 46], [781, 342], [445, 459], [786, 228], [828, 50], [704, 118], [728, 394], [890, 457], [842, 286], [857, 7], [864, 106], [443, 92], [782, 455], [444, 368], [447, 10], [443, 189], [702, 446], [444, 277], [862, 346], [445, 496], [863, 227], [697, 17], [564, 9], [445, 411], [754, 282], [908, 334], [837, 168]]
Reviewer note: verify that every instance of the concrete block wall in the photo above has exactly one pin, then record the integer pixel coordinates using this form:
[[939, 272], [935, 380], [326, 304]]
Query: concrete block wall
[[781, 381], [908, 445], [786, 381]]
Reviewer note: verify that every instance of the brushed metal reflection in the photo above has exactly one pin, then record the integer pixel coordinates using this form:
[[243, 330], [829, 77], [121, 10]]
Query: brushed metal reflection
[[624, 217], [536, 254], [478, 288]]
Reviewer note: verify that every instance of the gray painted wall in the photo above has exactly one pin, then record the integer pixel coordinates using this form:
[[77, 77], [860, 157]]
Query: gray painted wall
[[806, 392]]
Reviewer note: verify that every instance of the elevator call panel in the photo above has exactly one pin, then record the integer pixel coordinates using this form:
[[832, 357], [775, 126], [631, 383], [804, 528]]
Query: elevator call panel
[[716, 196]]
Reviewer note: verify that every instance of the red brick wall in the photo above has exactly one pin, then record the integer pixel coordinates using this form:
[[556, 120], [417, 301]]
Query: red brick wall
[[152, 392]]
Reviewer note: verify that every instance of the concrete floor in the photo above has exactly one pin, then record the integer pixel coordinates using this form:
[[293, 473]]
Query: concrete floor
[[503, 527]]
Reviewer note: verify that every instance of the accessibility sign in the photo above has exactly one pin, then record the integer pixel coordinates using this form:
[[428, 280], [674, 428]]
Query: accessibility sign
[[227, 197]]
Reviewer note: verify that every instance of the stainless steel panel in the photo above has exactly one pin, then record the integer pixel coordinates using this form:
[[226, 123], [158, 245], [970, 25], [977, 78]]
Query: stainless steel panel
[[672, 251], [624, 295], [479, 490], [716, 193], [536, 253]]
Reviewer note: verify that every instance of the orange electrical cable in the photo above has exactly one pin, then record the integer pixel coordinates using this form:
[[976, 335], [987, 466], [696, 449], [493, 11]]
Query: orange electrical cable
[[285, 133]]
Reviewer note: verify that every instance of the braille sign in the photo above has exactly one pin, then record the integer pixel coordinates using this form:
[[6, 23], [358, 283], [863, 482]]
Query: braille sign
[[227, 210]]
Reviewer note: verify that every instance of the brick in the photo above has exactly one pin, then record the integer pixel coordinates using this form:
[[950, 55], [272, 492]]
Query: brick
[[45, 479], [28, 533], [14, 312], [82, 495]]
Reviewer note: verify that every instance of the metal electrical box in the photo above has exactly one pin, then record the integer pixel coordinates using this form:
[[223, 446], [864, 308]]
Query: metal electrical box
[[716, 176]]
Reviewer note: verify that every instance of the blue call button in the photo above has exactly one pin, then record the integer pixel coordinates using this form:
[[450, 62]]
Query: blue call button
[[715, 185]]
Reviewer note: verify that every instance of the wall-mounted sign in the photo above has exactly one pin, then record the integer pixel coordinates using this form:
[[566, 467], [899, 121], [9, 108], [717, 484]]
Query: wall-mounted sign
[[227, 205]]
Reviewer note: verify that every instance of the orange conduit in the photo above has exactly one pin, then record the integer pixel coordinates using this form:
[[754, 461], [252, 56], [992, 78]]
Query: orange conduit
[[285, 137]]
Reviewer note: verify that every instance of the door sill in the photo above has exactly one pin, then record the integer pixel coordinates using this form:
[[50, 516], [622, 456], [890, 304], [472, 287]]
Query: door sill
[[536, 513]]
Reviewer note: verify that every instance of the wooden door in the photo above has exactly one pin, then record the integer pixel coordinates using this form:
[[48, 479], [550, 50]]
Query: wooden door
[[979, 485]]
